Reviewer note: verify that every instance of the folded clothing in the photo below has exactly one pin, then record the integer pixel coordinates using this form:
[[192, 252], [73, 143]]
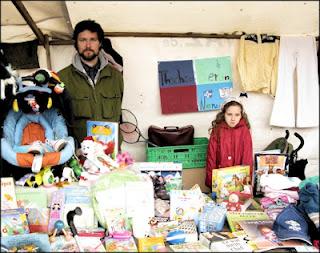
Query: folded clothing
[[278, 181], [309, 202]]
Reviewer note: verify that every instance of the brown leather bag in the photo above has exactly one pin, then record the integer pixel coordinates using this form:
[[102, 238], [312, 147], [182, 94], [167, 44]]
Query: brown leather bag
[[171, 135]]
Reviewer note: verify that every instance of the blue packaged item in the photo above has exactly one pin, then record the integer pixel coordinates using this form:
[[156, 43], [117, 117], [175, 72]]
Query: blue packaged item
[[212, 218]]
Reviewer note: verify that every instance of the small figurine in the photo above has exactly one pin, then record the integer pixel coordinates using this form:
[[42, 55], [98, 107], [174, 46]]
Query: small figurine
[[59, 227], [233, 203], [75, 165]]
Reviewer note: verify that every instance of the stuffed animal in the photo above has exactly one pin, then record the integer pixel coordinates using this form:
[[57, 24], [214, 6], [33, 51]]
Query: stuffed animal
[[233, 203], [96, 159]]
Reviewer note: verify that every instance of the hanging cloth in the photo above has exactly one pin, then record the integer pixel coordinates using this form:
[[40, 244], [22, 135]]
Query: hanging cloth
[[297, 84], [257, 64]]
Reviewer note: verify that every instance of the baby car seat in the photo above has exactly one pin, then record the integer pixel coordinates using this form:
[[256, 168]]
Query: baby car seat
[[34, 122]]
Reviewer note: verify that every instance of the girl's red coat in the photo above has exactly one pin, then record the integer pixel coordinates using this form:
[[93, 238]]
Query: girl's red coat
[[232, 147]]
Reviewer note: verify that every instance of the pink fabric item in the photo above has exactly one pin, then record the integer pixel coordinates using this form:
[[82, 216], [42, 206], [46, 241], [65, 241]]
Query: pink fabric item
[[271, 193]]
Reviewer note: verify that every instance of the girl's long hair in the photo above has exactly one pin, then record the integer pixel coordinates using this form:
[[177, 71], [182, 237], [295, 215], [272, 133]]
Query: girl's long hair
[[220, 116]]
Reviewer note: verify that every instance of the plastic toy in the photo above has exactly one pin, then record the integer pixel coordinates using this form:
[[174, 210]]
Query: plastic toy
[[176, 237], [59, 227], [70, 219], [75, 165]]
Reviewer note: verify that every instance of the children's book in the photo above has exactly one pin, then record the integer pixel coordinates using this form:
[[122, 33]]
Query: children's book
[[36, 198], [234, 218], [151, 244], [120, 245], [189, 247], [35, 204], [14, 222], [235, 179], [106, 132], [8, 194], [268, 164], [90, 244], [224, 242], [262, 237], [40, 241], [185, 204], [189, 227], [163, 228], [62, 245], [79, 196], [165, 176], [117, 221]]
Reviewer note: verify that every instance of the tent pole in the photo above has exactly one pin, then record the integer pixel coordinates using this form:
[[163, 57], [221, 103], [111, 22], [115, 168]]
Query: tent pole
[[47, 47], [160, 35]]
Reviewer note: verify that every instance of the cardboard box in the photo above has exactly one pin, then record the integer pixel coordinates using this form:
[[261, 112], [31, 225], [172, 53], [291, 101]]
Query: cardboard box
[[193, 176]]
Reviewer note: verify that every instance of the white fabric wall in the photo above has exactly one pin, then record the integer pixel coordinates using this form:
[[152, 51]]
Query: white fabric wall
[[142, 95]]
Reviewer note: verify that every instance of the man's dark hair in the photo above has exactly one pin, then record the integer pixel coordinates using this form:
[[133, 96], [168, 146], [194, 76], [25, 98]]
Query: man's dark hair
[[90, 25]]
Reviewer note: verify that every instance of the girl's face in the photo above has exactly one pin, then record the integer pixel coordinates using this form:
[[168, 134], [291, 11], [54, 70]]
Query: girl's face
[[233, 115]]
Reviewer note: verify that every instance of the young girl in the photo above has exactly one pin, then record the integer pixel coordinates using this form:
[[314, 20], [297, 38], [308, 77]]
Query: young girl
[[230, 141]]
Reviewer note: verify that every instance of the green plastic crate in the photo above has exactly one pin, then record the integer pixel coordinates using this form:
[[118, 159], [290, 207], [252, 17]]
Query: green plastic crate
[[191, 156]]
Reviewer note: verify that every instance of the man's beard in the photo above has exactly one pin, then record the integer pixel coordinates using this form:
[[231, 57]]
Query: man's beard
[[88, 58]]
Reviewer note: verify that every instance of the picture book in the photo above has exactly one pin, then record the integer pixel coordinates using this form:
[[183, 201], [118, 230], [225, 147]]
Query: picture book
[[224, 242], [117, 221], [31, 199], [79, 196], [234, 218], [120, 245], [189, 247], [235, 179], [189, 227], [185, 204], [268, 164], [35, 204], [38, 219], [151, 244], [62, 245], [90, 244], [262, 237], [163, 228], [165, 176], [8, 194], [14, 222], [40, 241], [106, 132]]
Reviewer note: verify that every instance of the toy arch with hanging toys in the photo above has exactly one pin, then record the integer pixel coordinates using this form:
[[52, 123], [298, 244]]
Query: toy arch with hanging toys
[[34, 119]]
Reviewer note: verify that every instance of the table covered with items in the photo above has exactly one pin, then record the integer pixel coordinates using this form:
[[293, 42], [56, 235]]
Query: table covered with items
[[143, 207]]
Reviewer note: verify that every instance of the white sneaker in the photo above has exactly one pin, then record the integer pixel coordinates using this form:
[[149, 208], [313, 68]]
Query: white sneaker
[[57, 145], [36, 148]]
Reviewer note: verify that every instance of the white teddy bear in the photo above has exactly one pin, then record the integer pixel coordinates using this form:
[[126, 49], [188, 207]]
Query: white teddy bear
[[96, 159]]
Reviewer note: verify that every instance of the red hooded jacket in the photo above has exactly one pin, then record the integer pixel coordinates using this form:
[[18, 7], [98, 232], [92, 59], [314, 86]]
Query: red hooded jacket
[[233, 147]]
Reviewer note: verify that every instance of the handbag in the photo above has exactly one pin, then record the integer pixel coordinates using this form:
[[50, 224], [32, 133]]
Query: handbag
[[171, 135]]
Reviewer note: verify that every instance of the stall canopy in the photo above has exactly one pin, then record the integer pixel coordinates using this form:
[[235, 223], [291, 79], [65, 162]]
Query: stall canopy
[[53, 21]]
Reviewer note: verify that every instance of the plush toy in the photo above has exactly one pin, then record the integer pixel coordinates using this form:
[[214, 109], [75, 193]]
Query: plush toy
[[7, 76], [233, 203], [35, 133], [96, 159]]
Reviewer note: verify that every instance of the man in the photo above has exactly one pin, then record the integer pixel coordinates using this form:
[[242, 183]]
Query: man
[[95, 86]]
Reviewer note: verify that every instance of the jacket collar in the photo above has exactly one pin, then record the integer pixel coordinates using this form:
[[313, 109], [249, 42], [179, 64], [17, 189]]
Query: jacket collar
[[76, 62]]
